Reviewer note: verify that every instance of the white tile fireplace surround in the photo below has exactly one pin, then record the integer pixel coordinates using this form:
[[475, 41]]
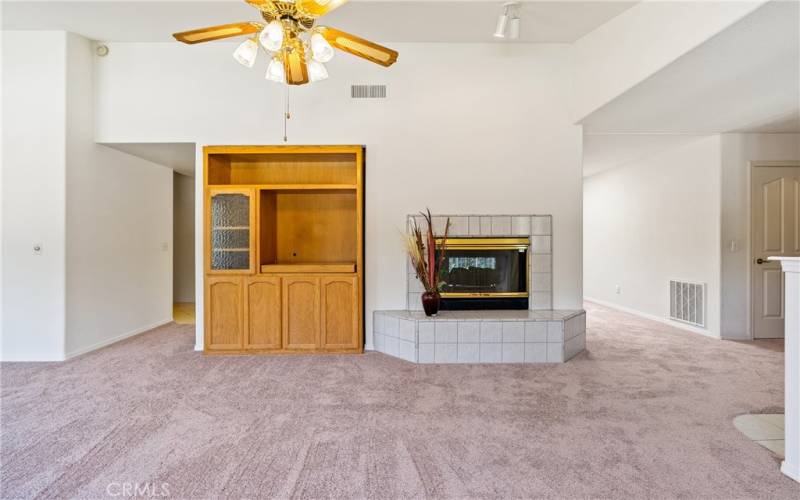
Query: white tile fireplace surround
[[538, 335]]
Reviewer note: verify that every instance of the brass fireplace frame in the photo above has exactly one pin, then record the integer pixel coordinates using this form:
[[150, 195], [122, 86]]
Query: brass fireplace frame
[[497, 243]]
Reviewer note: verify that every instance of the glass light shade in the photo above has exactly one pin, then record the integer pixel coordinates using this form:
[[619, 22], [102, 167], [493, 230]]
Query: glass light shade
[[271, 37], [500, 31], [316, 71], [275, 71], [321, 50], [513, 28], [246, 53]]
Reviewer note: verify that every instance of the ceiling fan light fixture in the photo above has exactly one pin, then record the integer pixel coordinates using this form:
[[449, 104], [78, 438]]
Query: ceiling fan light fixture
[[513, 28], [275, 71], [295, 45], [271, 37], [321, 50], [316, 71], [246, 53]]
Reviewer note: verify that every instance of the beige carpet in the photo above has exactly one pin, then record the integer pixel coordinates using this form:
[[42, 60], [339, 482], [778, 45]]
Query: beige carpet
[[645, 413]]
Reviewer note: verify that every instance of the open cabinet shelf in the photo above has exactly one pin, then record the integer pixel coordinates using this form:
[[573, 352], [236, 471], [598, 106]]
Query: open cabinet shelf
[[297, 187]]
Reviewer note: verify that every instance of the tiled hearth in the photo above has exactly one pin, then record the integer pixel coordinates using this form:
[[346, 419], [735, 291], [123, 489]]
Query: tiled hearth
[[538, 335], [481, 336], [539, 228]]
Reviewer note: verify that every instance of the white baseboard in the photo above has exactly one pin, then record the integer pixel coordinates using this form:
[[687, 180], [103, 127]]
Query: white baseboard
[[116, 339], [665, 321], [198, 347]]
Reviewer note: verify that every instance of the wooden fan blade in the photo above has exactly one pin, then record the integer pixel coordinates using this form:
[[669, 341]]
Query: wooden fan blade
[[359, 47], [217, 32], [312, 8], [294, 64]]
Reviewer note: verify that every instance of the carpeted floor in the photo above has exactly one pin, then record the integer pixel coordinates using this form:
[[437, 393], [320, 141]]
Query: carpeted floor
[[646, 412]]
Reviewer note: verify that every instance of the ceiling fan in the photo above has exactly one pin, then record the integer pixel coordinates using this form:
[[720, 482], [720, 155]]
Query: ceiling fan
[[297, 48]]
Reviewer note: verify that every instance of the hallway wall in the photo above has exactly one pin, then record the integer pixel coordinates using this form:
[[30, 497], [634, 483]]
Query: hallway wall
[[653, 220], [118, 226], [183, 239]]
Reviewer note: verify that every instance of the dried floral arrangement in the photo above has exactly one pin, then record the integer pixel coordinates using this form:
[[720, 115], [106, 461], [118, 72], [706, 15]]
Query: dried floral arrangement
[[422, 252]]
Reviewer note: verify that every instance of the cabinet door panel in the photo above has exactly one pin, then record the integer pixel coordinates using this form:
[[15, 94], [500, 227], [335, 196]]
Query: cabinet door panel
[[340, 313], [230, 223], [263, 313], [301, 319], [224, 321]]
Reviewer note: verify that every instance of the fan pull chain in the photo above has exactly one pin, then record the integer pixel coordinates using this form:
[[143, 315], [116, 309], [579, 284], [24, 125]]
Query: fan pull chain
[[286, 117]]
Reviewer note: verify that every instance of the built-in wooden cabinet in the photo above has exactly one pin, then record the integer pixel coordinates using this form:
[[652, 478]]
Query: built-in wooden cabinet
[[284, 248]]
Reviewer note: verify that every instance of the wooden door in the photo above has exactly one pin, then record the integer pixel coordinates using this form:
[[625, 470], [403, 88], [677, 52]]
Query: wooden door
[[340, 313], [262, 313], [224, 313], [775, 232], [301, 317], [230, 233]]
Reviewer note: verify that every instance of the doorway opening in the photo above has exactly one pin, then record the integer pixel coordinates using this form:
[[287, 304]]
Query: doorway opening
[[183, 271]]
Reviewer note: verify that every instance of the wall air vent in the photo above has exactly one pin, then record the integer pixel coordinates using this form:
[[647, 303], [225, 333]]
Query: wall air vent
[[687, 302], [368, 91]]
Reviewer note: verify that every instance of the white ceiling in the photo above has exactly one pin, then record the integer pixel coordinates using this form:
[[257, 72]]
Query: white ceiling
[[179, 156], [746, 78], [381, 20]]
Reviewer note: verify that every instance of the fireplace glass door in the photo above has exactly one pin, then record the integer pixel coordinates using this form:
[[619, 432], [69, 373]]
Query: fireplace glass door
[[485, 267]]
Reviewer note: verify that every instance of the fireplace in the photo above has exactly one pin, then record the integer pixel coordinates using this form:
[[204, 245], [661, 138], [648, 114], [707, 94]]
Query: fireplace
[[485, 273]]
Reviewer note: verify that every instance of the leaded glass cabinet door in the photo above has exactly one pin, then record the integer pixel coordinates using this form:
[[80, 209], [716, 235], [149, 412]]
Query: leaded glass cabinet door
[[231, 235]]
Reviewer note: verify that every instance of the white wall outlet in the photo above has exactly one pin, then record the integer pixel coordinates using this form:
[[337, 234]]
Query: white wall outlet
[[37, 249], [618, 289], [734, 246]]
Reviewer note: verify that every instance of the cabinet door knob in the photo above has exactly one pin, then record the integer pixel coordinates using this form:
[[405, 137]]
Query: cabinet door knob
[[760, 261]]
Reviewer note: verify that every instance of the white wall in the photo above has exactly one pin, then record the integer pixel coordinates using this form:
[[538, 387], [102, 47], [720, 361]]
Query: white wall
[[652, 220], [467, 128], [33, 156], [738, 150], [119, 226], [183, 239], [100, 216]]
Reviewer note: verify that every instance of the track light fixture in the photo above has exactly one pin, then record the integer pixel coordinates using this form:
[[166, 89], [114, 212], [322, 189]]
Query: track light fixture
[[508, 21]]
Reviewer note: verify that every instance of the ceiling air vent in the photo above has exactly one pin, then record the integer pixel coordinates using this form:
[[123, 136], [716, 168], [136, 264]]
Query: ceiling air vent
[[368, 91]]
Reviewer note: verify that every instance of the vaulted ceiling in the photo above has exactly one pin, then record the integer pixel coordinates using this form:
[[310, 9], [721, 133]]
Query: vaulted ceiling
[[384, 20]]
